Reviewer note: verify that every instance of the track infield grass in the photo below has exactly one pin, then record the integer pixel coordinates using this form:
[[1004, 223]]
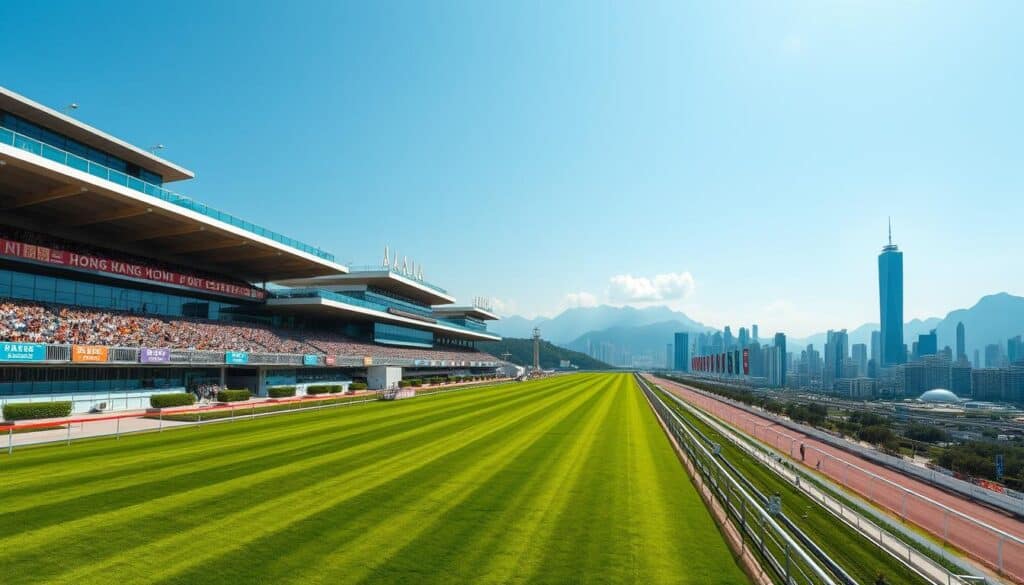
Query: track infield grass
[[564, 480]]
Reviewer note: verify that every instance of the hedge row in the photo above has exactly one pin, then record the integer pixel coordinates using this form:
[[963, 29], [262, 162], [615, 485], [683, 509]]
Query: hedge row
[[172, 399], [30, 410], [244, 411], [233, 395], [314, 390], [281, 392], [357, 386]]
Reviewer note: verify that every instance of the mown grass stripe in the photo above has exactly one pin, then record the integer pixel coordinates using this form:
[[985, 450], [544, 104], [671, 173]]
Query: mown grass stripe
[[197, 522], [447, 490]]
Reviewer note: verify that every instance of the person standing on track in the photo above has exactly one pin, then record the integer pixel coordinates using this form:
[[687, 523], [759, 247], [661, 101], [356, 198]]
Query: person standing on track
[[802, 458]]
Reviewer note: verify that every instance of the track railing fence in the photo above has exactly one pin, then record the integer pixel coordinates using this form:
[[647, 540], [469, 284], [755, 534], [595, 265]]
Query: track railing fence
[[988, 544], [783, 556]]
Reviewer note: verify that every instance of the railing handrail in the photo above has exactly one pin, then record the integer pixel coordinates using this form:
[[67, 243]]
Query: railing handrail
[[748, 500]]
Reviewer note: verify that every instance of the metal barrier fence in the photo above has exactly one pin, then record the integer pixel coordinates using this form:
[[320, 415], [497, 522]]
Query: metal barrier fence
[[782, 554], [853, 517], [131, 355], [990, 545], [1011, 501]]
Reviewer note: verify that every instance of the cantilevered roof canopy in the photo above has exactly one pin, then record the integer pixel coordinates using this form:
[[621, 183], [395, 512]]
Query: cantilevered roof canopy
[[53, 120], [383, 279], [40, 193], [325, 304], [464, 311]]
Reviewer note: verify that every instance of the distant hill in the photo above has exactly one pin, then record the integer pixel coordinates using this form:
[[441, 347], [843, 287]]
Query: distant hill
[[993, 319], [862, 334], [643, 339], [569, 325], [521, 353]]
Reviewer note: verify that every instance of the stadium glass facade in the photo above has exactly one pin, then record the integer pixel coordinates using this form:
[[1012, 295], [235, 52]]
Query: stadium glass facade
[[23, 285], [159, 325]]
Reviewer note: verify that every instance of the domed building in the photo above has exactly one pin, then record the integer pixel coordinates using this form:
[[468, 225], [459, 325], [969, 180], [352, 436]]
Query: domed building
[[939, 395]]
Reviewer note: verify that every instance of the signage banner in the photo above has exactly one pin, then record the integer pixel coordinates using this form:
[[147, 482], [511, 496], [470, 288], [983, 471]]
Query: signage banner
[[13, 351], [310, 360], [89, 353], [236, 357], [746, 362], [14, 249], [154, 355], [329, 360]]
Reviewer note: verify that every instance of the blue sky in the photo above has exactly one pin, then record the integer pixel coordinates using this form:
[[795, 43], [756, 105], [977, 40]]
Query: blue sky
[[735, 160]]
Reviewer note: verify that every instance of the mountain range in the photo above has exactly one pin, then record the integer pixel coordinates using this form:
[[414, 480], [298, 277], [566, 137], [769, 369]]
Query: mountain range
[[639, 331]]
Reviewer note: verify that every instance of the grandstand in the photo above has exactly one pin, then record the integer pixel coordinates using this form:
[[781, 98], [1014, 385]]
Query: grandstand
[[114, 286]]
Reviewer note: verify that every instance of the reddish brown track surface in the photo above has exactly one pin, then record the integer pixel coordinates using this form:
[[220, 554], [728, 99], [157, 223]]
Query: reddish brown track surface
[[972, 528]]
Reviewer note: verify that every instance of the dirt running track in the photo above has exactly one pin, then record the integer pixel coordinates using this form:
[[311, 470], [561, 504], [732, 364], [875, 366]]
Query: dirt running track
[[988, 536]]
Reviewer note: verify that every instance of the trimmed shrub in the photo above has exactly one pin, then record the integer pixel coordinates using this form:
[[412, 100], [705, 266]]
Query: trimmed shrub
[[281, 392], [314, 390], [357, 386], [233, 395], [30, 410], [172, 399], [416, 382], [335, 388], [404, 383]]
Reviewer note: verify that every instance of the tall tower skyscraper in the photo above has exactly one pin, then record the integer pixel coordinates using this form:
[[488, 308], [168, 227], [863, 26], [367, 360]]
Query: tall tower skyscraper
[[876, 347], [780, 347], [682, 351], [890, 297], [961, 349], [753, 333]]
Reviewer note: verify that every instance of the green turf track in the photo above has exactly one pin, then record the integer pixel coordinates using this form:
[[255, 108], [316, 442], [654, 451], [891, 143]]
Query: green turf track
[[557, 481], [856, 554]]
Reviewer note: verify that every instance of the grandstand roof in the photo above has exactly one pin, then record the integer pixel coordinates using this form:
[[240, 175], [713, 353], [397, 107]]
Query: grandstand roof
[[384, 279], [39, 193], [464, 311], [34, 112], [327, 304]]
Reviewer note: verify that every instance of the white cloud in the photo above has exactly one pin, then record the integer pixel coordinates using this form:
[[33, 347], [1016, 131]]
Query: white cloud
[[581, 299], [626, 288], [504, 307]]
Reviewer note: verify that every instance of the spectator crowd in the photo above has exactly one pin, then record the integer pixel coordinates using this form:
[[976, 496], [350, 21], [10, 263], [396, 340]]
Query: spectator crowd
[[40, 323]]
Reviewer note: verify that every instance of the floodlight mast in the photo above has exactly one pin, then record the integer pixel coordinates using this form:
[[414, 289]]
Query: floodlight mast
[[536, 349]]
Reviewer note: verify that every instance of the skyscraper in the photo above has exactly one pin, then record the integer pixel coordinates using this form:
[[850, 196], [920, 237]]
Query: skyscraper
[[727, 338], [753, 333], [836, 352], [1014, 349], [961, 346], [927, 344], [744, 338], [780, 346], [890, 297], [860, 358], [682, 351], [876, 346]]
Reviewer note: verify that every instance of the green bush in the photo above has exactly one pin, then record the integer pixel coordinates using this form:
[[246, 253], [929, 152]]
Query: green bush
[[416, 382], [335, 388], [314, 390], [29, 410], [357, 386], [404, 383], [172, 399], [233, 395], [281, 392]]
